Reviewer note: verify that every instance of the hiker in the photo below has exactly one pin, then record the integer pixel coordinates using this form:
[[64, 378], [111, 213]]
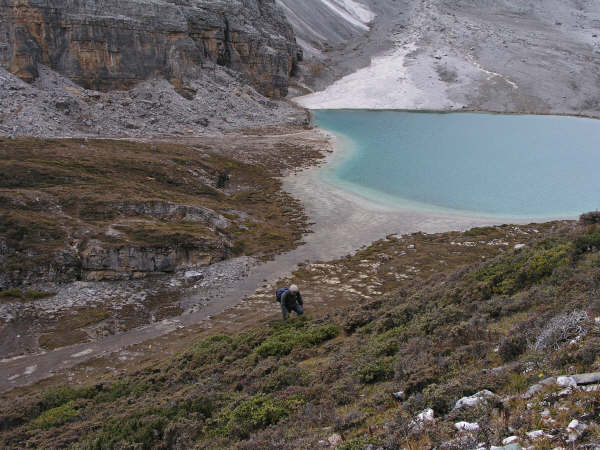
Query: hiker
[[291, 300]]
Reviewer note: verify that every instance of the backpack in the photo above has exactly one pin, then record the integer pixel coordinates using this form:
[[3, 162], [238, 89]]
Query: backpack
[[279, 292]]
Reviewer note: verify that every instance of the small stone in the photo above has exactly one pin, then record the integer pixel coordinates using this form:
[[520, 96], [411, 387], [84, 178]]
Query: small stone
[[425, 416], [566, 381], [510, 440], [575, 430], [534, 389], [400, 395], [513, 446], [467, 426], [519, 246], [474, 399], [335, 440], [538, 434]]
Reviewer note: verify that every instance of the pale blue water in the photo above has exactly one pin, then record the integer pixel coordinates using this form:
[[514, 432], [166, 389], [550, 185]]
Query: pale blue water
[[487, 164]]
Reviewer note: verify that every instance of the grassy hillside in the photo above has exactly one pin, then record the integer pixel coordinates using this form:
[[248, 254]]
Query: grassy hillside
[[449, 315], [60, 197]]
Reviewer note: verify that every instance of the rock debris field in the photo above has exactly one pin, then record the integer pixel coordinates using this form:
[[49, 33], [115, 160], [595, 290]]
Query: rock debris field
[[218, 101]]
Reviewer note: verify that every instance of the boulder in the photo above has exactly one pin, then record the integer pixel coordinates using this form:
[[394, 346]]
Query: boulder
[[467, 426], [538, 434], [510, 440], [566, 381], [422, 418], [586, 378], [425, 416], [475, 399]]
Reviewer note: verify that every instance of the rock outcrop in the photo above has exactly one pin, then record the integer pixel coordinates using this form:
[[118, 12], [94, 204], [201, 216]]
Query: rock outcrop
[[114, 44]]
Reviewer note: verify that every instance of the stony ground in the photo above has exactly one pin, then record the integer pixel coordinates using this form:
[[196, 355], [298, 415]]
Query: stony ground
[[53, 106]]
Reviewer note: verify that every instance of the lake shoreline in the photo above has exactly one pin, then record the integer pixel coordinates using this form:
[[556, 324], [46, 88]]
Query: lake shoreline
[[459, 110], [356, 221]]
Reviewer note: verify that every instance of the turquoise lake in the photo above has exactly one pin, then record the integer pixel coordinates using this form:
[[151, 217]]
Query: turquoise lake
[[481, 164]]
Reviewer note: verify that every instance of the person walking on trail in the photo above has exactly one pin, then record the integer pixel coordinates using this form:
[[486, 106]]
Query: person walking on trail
[[291, 300]]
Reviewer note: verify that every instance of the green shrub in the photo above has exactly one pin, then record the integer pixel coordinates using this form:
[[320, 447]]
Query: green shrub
[[58, 396], [512, 346], [284, 377], [478, 231], [11, 293], [282, 342], [315, 336], [223, 348], [56, 417], [139, 431], [123, 388], [510, 274], [34, 294], [379, 370], [276, 346], [212, 348], [254, 414], [31, 294], [201, 406], [359, 443], [586, 243]]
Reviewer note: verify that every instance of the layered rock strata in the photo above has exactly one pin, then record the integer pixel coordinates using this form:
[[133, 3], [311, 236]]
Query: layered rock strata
[[114, 44]]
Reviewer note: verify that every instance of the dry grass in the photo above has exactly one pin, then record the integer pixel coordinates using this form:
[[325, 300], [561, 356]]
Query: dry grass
[[55, 194]]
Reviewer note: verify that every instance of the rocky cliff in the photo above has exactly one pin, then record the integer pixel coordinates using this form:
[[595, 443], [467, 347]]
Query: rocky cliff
[[114, 44]]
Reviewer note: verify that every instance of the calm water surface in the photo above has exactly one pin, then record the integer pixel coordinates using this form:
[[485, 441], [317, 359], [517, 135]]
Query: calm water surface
[[487, 164]]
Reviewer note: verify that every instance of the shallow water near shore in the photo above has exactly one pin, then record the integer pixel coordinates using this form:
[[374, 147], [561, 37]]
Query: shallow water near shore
[[475, 164]]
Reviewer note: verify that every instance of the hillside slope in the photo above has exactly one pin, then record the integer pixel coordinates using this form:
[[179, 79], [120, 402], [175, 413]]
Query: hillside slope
[[422, 321]]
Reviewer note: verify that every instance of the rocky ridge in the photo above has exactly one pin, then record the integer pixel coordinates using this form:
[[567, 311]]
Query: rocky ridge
[[107, 45]]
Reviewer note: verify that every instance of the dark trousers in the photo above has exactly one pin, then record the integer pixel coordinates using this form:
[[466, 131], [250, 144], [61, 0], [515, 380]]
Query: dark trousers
[[285, 311]]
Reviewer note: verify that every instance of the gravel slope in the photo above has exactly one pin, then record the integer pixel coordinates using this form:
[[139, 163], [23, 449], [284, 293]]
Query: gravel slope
[[506, 55]]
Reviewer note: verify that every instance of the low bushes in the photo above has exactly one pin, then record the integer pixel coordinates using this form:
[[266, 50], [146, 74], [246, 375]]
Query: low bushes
[[138, 431], [56, 417], [31, 295], [251, 415], [282, 343], [511, 274], [378, 370]]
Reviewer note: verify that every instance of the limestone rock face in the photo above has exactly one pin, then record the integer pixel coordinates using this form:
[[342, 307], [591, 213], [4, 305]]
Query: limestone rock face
[[113, 44], [100, 263]]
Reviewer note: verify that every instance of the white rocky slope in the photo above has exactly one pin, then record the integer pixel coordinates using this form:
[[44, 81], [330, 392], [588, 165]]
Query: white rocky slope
[[501, 55], [54, 106], [319, 23]]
